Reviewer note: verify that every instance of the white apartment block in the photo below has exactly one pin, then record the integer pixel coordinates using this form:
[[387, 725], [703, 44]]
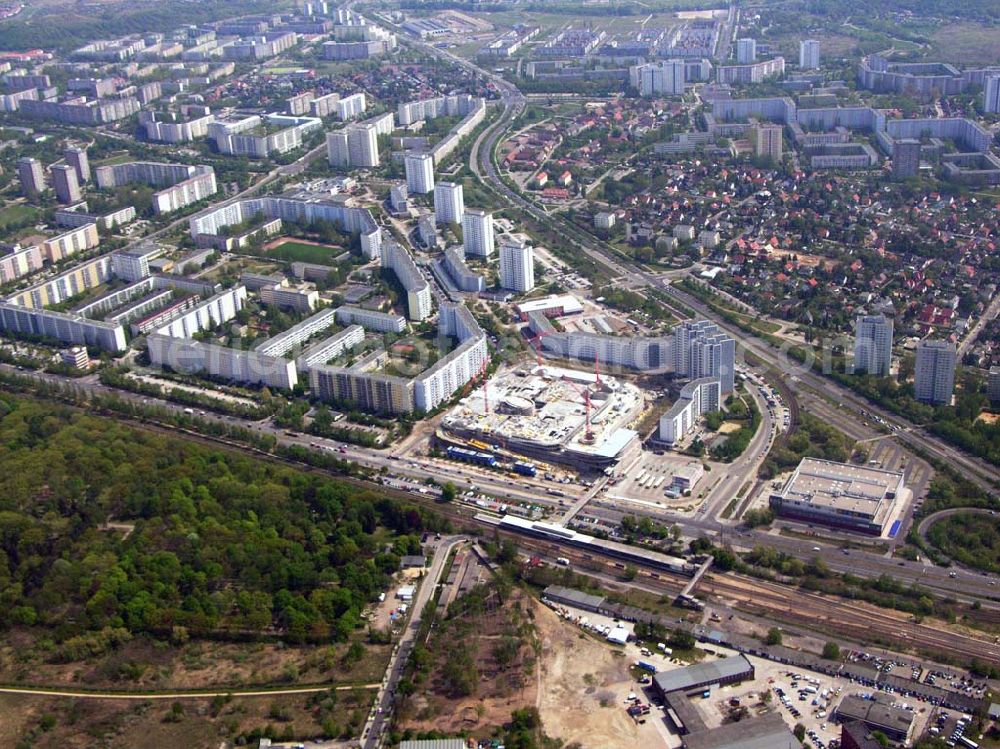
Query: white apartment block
[[452, 371], [701, 349], [187, 192], [934, 376], [185, 184], [354, 146], [324, 106], [477, 232], [873, 345], [349, 107], [697, 397], [449, 204], [746, 51], [379, 322], [287, 341], [440, 106], [418, 290], [294, 299], [329, 348], [302, 208], [258, 137], [419, 173], [809, 54], [208, 315], [517, 265], [171, 131]]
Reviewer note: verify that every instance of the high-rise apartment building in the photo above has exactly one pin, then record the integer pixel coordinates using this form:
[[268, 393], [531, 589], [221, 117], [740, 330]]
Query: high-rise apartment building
[[356, 145], [701, 349], [65, 184], [746, 51], [991, 94], [873, 345], [809, 54], [477, 232], [766, 139], [934, 377], [419, 173], [77, 158], [905, 158], [665, 77], [449, 204], [32, 176], [517, 265]]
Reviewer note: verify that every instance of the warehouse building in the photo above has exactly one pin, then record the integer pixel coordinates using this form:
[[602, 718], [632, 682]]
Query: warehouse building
[[766, 732], [843, 495], [577, 599], [877, 715], [701, 675]]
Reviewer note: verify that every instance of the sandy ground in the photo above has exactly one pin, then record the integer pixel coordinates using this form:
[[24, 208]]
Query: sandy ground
[[578, 674]]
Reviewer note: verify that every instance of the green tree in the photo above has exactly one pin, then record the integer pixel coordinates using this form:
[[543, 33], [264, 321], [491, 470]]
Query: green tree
[[448, 492], [831, 651], [773, 636]]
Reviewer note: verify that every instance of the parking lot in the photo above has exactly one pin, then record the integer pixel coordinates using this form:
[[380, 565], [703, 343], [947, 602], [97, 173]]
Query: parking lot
[[649, 480]]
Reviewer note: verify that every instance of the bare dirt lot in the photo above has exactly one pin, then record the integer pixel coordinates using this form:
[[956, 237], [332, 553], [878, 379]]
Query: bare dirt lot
[[581, 687]]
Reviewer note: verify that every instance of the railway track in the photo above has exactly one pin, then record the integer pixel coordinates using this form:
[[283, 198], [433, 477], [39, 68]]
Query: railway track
[[854, 621], [782, 603], [858, 621]]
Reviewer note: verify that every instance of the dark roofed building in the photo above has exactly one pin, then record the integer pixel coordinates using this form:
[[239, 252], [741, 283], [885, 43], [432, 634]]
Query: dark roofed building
[[412, 561], [766, 732], [857, 735], [575, 598], [724, 671], [894, 722]]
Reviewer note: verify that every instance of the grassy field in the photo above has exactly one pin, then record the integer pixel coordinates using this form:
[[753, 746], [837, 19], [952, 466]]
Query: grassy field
[[305, 253], [968, 43], [16, 213]]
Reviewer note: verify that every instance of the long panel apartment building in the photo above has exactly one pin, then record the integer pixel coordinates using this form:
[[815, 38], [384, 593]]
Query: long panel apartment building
[[418, 290], [259, 137], [457, 105], [301, 208], [185, 184]]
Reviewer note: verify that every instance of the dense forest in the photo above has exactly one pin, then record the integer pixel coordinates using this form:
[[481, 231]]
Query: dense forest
[[107, 530], [971, 539]]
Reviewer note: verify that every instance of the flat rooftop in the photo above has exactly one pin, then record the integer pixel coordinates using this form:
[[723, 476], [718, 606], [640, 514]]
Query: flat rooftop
[[874, 714], [843, 487], [767, 732], [701, 674], [567, 302]]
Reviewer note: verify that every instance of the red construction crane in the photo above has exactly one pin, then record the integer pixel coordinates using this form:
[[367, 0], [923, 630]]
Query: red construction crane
[[585, 392], [486, 396]]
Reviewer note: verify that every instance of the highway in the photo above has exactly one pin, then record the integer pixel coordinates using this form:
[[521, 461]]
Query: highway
[[411, 474]]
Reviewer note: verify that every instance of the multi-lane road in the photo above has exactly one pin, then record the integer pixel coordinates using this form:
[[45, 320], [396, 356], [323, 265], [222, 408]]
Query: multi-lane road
[[481, 161]]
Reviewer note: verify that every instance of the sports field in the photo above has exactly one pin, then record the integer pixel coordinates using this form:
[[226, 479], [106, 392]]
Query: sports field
[[305, 252]]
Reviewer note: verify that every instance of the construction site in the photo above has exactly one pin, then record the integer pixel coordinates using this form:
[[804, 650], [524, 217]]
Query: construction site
[[554, 415]]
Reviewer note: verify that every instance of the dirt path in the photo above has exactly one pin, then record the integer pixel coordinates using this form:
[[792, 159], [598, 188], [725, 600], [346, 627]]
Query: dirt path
[[581, 687], [177, 695]]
